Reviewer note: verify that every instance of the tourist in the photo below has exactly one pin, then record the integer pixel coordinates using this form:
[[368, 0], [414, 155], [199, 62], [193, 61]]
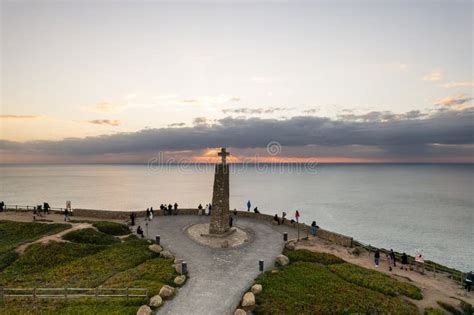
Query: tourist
[[276, 219], [468, 281], [235, 212], [389, 261], [231, 220], [256, 210], [283, 217], [132, 218], [392, 256], [2, 204], [170, 209], [147, 216], [404, 261], [162, 209], [249, 205], [175, 208], [377, 258], [151, 213], [46, 208], [314, 228], [140, 231], [66, 214], [209, 209]]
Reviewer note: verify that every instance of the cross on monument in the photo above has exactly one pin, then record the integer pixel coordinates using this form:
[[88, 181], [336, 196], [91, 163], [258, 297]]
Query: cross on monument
[[223, 154]]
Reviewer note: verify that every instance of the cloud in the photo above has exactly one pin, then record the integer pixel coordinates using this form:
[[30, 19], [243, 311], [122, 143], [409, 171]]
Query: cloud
[[246, 110], [19, 117], [435, 75], [311, 111], [177, 124], [459, 84], [454, 100], [383, 134], [384, 116], [109, 122]]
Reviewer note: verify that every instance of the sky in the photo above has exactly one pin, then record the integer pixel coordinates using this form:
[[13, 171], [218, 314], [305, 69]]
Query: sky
[[325, 81]]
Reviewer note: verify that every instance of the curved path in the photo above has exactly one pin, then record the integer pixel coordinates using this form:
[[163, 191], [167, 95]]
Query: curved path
[[217, 277]]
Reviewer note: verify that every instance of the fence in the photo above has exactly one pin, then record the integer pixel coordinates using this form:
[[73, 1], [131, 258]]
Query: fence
[[29, 208], [68, 293]]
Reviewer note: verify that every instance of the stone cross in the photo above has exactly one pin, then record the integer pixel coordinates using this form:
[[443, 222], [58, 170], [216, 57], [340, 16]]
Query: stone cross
[[223, 154]]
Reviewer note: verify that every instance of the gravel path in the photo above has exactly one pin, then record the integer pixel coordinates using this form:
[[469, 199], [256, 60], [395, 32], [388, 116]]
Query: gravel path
[[217, 277]]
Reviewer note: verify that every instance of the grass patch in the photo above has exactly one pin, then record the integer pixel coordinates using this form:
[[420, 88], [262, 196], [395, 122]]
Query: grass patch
[[112, 228], [309, 288], [433, 311], [450, 308], [375, 280], [314, 257], [14, 234], [90, 236]]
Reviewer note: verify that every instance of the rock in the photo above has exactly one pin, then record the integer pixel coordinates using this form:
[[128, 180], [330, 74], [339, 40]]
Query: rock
[[166, 254], [155, 248], [178, 268], [248, 300], [256, 288], [240, 311], [166, 291], [290, 245], [274, 270], [144, 310], [282, 260], [179, 280], [156, 301]]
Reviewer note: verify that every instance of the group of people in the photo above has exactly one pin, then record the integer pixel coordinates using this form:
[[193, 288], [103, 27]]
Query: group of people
[[169, 209], [202, 210]]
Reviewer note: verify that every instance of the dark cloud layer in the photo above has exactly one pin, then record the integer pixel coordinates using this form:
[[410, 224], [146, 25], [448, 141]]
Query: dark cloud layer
[[410, 134]]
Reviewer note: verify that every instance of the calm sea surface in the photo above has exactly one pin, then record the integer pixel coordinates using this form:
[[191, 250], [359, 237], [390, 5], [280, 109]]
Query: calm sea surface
[[408, 208]]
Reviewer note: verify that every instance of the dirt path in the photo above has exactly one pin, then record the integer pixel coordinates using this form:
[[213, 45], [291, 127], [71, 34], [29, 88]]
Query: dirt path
[[434, 287], [54, 237]]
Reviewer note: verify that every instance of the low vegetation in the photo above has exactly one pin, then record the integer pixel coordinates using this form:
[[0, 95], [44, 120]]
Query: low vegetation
[[321, 283], [314, 257], [89, 260], [112, 228], [14, 234], [375, 280], [90, 236]]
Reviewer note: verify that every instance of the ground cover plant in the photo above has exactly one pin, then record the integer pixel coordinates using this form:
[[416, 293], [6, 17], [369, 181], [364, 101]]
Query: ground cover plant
[[90, 236], [112, 228], [314, 257]]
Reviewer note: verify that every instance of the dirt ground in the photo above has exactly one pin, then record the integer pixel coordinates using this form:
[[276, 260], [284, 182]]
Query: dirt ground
[[435, 287]]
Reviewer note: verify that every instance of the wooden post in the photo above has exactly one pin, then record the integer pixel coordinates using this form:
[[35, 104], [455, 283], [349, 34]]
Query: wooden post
[[34, 293], [2, 294], [96, 293], [126, 292], [65, 294]]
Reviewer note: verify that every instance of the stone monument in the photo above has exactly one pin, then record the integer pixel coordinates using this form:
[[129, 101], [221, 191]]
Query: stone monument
[[220, 214]]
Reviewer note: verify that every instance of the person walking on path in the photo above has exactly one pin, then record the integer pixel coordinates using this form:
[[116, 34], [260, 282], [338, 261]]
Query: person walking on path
[[249, 205], [468, 281], [377, 258], [132, 218], [66, 215], [392, 258]]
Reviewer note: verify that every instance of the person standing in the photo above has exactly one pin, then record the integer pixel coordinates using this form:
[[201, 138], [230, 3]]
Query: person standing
[[392, 257], [314, 228], [209, 209], [377, 258], [283, 217], [132, 218], [468, 281], [231, 220], [151, 213], [2, 204], [175, 208], [170, 209], [147, 217], [249, 205], [66, 214]]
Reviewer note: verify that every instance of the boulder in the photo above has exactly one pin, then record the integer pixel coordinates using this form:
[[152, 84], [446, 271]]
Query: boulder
[[144, 310], [256, 288], [179, 280], [155, 248], [290, 245], [166, 291], [156, 301], [178, 268], [282, 260], [248, 300], [240, 311], [166, 254]]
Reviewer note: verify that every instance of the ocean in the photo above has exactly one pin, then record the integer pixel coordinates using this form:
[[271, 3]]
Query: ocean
[[410, 208]]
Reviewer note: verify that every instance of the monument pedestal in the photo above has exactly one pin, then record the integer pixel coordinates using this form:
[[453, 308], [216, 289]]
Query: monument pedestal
[[220, 215]]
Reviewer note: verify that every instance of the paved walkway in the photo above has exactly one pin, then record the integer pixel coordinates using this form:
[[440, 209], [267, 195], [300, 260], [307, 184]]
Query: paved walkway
[[217, 277]]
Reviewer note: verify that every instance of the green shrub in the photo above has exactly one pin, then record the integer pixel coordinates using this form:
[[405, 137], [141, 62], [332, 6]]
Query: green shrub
[[308, 288], [467, 308], [90, 236], [450, 308], [7, 258], [375, 280], [433, 311], [112, 228], [314, 257]]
